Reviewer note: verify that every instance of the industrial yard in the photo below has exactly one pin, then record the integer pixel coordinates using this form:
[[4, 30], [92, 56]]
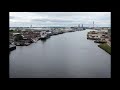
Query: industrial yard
[[102, 37], [27, 36]]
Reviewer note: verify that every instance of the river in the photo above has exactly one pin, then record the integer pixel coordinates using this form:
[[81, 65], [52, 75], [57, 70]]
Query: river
[[68, 55]]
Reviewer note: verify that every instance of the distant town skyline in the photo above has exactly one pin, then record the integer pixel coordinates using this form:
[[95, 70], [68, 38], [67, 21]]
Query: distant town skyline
[[59, 19]]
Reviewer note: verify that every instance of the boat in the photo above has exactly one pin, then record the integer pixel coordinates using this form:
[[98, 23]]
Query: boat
[[12, 47], [34, 40], [44, 35], [100, 41], [26, 44], [92, 37]]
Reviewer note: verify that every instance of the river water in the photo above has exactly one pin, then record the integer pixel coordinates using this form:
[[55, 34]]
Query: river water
[[68, 55]]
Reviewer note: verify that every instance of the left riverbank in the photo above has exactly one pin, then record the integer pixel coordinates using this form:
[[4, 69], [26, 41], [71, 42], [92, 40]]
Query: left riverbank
[[28, 36]]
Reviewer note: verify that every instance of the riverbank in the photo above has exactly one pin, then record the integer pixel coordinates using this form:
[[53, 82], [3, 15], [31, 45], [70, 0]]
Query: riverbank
[[105, 47], [26, 37], [101, 37]]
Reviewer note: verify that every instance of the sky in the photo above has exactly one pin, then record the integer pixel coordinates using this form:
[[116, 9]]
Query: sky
[[62, 19]]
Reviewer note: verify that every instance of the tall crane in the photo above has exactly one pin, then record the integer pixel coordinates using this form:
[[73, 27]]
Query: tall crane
[[93, 24]]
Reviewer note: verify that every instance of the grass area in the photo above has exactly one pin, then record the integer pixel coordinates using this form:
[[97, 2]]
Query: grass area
[[105, 47]]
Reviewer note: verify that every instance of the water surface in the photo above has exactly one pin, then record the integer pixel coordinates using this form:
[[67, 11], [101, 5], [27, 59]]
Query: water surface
[[68, 55]]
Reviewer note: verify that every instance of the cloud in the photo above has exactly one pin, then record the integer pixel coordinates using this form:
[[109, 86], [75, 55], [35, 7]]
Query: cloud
[[59, 18], [53, 20], [12, 17]]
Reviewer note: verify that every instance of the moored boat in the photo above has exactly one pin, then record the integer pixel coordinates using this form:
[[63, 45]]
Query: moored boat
[[12, 47], [44, 35], [100, 41]]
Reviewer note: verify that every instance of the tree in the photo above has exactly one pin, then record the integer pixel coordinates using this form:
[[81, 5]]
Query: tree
[[11, 30], [18, 37]]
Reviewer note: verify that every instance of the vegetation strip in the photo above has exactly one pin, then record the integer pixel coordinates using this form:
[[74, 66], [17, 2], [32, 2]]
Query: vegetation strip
[[105, 47]]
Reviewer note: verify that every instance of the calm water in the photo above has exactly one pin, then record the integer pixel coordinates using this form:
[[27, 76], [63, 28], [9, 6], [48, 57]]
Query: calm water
[[68, 55]]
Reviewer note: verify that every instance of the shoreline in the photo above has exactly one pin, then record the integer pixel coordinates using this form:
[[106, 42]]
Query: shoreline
[[105, 47]]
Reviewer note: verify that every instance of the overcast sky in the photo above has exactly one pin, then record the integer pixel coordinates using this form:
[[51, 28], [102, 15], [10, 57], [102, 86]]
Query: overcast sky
[[44, 19]]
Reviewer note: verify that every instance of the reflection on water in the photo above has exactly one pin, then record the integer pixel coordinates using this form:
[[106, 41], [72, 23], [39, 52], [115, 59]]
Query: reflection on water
[[43, 41], [68, 55]]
